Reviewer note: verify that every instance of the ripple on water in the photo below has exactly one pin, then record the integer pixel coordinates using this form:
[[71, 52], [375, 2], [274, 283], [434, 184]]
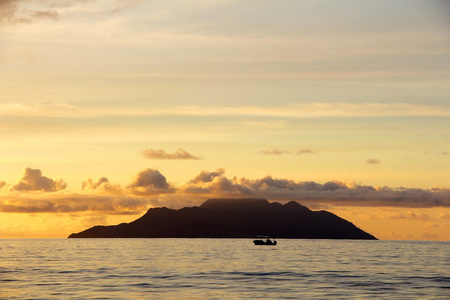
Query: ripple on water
[[222, 268]]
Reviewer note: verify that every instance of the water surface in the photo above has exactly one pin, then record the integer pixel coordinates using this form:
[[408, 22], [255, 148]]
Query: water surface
[[223, 269]]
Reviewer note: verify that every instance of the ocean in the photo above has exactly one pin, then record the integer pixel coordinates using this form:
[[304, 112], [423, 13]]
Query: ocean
[[223, 269]]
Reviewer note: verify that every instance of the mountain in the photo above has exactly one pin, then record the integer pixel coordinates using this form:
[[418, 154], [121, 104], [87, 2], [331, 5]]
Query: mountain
[[232, 218]]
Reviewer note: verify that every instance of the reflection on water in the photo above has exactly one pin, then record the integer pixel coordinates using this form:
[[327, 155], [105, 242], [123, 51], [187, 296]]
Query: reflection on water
[[223, 268]]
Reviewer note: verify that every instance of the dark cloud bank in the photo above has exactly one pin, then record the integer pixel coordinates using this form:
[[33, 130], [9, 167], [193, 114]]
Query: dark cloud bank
[[36, 193], [329, 193]]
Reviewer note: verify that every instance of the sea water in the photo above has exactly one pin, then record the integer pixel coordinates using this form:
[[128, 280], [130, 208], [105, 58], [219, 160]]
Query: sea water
[[223, 269]]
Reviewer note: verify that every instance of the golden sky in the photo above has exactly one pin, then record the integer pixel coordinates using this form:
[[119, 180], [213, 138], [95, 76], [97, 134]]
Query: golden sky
[[110, 107]]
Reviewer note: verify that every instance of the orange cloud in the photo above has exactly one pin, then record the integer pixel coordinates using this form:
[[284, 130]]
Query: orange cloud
[[161, 154], [34, 181]]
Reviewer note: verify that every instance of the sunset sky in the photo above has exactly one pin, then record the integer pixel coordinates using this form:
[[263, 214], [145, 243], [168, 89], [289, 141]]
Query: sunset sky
[[110, 107]]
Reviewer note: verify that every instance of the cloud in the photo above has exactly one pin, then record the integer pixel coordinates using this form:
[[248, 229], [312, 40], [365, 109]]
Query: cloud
[[11, 11], [27, 196], [45, 14], [373, 161], [305, 151], [21, 11], [161, 154], [150, 182], [445, 216], [310, 110], [102, 184], [283, 112], [206, 176], [274, 151], [267, 187], [265, 124], [73, 203], [2, 184], [409, 215], [41, 109], [33, 180], [215, 184]]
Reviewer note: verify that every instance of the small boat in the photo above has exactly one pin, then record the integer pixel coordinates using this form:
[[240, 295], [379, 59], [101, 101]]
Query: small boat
[[264, 240]]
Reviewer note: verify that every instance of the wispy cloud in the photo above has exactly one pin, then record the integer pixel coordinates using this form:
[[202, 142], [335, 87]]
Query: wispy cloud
[[162, 154], [23, 11], [323, 109], [274, 151], [12, 11], [41, 109], [373, 161], [409, 215], [445, 216], [288, 111], [305, 151]]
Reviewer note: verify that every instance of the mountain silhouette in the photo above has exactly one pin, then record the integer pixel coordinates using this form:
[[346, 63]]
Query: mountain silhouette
[[232, 218]]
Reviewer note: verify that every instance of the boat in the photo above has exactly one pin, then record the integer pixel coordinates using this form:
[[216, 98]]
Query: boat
[[264, 240]]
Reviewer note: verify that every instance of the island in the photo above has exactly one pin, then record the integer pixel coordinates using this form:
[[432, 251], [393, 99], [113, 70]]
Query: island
[[233, 218]]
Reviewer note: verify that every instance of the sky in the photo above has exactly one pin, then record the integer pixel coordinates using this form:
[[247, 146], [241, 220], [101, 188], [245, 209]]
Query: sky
[[111, 107]]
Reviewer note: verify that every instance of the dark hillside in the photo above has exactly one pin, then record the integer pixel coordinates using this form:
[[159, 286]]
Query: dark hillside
[[232, 218]]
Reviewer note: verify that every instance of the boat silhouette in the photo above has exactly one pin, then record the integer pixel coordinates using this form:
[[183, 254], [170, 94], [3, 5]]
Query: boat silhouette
[[264, 240]]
